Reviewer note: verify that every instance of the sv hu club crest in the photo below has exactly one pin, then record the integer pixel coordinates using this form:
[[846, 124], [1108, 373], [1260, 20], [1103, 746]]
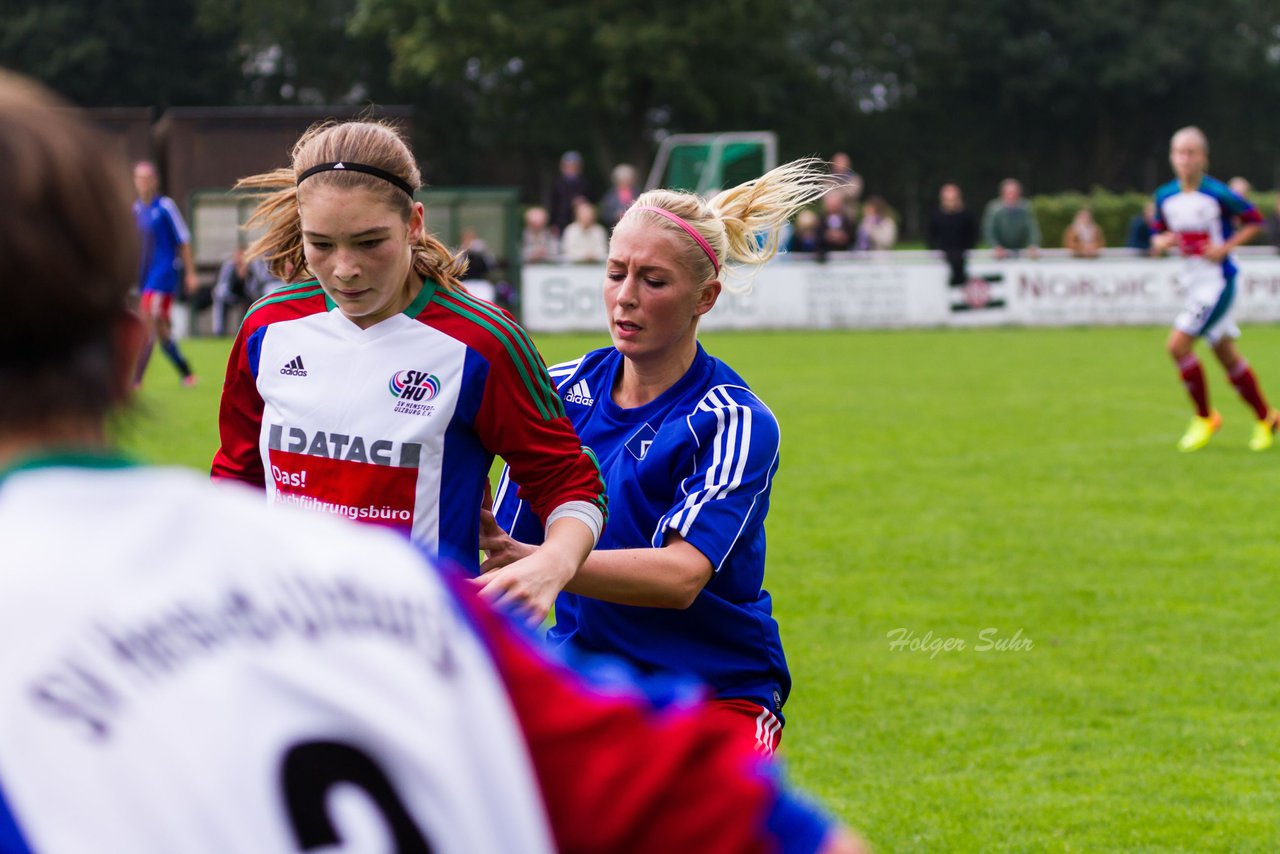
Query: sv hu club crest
[[417, 386]]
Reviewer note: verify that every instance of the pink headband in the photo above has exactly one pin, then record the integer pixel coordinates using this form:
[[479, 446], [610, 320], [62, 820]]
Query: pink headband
[[692, 232]]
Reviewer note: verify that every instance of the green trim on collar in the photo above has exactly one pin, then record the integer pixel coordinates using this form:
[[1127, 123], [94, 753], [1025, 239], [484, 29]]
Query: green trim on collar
[[79, 458], [424, 296]]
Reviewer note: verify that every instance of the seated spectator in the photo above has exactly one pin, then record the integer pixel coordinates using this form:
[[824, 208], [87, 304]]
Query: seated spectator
[[584, 239], [1240, 186], [1009, 224], [953, 230], [1141, 228], [806, 236], [837, 228], [481, 266], [538, 245], [620, 197], [240, 283], [1083, 237], [877, 230]]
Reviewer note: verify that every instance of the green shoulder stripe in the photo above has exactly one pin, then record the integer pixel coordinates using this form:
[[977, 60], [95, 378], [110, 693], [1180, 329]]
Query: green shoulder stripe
[[533, 372], [311, 291], [536, 363], [602, 500]]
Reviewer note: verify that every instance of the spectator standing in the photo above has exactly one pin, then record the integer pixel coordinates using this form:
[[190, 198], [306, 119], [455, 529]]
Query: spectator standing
[[538, 244], [570, 186], [1009, 224], [1273, 226], [876, 229], [621, 195], [1084, 237], [848, 183], [1141, 229], [953, 230], [584, 239]]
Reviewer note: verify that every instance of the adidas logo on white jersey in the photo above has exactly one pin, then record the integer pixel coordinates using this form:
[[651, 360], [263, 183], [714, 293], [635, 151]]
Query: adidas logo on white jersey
[[294, 368], [580, 393]]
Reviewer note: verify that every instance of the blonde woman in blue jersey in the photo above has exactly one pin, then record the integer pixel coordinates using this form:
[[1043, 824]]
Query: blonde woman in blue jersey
[[1202, 219], [688, 453]]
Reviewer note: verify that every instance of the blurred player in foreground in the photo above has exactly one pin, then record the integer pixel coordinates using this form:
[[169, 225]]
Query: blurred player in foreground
[[302, 683], [688, 453], [1197, 215]]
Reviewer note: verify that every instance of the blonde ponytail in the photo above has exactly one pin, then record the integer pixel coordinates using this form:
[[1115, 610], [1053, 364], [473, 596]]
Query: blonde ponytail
[[741, 224]]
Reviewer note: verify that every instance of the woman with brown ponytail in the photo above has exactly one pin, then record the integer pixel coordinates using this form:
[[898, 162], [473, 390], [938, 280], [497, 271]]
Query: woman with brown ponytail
[[375, 387]]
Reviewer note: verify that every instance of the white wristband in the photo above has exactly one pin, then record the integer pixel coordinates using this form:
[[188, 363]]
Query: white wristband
[[585, 512]]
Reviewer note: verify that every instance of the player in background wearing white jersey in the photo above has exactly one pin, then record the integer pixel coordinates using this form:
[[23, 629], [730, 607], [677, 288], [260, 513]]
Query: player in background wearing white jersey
[[1204, 220], [688, 453], [303, 684], [376, 387]]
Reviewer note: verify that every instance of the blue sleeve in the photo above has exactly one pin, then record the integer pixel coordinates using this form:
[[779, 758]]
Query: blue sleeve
[[799, 827], [11, 839], [513, 515], [253, 349], [727, 493]]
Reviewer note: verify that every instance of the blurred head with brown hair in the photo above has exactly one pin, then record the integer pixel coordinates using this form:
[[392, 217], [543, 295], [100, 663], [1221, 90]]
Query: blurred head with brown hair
[[68, 256]]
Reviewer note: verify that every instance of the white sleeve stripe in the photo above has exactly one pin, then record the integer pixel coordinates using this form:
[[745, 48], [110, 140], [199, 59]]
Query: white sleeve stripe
[[503, 481], [731, 449], [564, 372], [179, 224]]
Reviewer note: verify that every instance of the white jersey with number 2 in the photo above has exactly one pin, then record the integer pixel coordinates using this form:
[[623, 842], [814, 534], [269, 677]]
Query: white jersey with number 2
[[182, 671]]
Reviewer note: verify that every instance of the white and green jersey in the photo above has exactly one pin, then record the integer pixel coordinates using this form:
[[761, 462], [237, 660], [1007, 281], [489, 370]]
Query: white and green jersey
[[183, 671]]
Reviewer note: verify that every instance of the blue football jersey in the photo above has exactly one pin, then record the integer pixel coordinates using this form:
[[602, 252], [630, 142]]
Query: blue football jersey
[[699, 460], [163, 233]]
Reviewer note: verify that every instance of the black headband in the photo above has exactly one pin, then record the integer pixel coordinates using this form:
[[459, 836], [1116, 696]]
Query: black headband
[[348, 166]]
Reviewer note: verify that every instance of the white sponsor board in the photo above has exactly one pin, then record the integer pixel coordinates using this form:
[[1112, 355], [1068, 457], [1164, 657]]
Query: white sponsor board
[[910, 289]]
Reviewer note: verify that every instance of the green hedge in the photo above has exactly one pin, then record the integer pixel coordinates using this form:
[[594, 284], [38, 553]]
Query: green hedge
[[1112, 211]]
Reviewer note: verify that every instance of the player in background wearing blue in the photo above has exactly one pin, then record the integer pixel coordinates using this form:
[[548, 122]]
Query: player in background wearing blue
[[302, 684], [166, 253], [688, 454], [1197, 215]]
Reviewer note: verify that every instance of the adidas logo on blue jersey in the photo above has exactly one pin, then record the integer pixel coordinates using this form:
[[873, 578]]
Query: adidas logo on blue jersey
[[294, 368], [580, 393]]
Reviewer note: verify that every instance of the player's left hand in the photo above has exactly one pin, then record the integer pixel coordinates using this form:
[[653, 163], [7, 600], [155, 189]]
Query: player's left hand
[[192, 282], [1215, 253], [530, 585]]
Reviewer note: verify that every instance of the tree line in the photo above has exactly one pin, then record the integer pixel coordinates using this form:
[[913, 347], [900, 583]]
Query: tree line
[[1064, 96]]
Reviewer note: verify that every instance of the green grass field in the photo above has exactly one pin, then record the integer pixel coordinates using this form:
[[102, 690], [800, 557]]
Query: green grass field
[[1014, 485]]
